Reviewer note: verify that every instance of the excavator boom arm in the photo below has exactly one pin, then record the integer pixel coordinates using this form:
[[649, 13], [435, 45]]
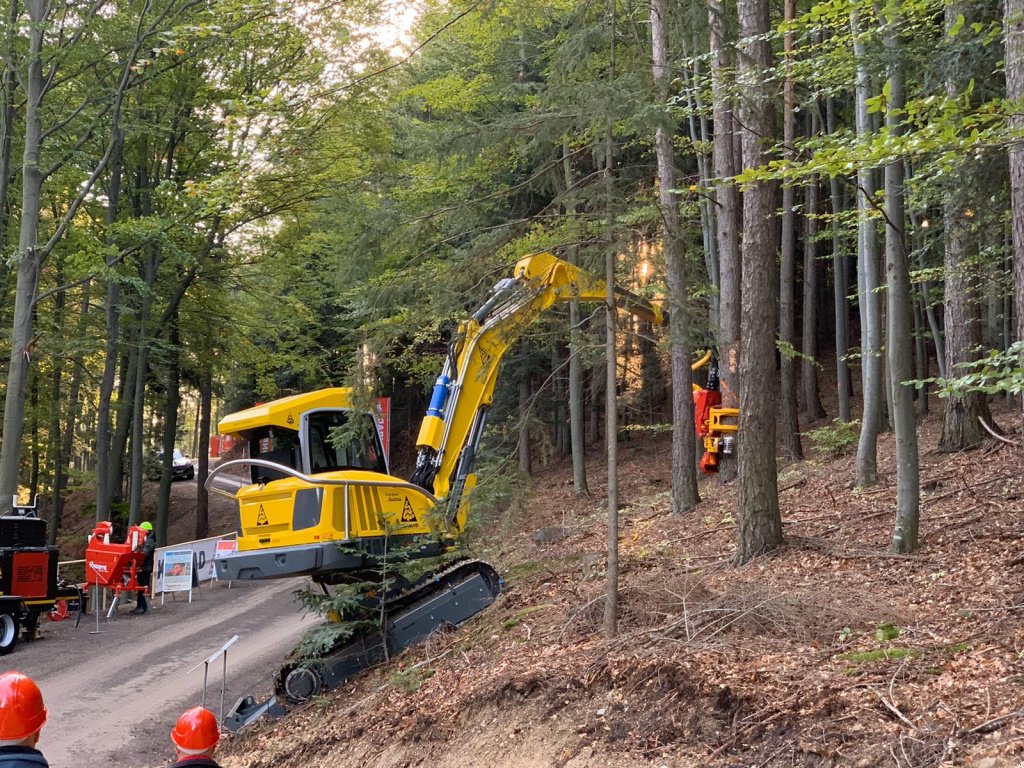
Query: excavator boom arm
[[450, 433]]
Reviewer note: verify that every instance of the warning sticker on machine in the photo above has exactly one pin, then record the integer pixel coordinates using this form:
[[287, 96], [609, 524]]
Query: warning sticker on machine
[[261, 518], [408, 515]]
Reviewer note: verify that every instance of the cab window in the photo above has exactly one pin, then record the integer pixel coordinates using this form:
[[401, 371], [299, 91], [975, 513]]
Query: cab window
[[339, 440]]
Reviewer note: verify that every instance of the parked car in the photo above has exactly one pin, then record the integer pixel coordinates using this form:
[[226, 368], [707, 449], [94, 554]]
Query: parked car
[[181, 469]]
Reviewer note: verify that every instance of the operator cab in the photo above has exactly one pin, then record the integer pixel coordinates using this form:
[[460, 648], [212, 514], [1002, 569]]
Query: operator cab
[[328, 440], [312, 433]]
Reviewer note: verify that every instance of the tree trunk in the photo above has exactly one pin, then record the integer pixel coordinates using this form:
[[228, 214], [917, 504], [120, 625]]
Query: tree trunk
[[525, 459], [7, 116], [576, 426], [898, 326], [727, 202], [1013, 23], [173, 401], [684, 470], [960, 427], [698, 135], [920, 358], [113, 318], [611, 600], [203, 452], [867, 282], [788, 411], [809, 357], [839, 287], [28, 260], [56, 380], [759, 522], [129, 365]]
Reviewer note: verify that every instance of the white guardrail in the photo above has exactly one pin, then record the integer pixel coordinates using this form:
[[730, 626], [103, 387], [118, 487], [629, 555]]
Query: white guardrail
[[203, 551]]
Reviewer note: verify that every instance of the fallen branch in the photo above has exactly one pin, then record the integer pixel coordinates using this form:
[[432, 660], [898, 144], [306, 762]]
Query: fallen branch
[[996, 435], [995, 723]]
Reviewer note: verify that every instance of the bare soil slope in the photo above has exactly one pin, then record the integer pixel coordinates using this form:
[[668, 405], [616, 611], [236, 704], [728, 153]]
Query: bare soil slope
[[829, 652]]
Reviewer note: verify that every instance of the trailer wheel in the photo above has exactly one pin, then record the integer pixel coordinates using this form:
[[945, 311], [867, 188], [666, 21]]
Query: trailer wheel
[[60, 611], [8, 632]]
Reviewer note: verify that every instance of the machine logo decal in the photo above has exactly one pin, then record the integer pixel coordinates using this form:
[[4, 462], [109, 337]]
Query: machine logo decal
[[290, 420], [261, 518], [408, 515]]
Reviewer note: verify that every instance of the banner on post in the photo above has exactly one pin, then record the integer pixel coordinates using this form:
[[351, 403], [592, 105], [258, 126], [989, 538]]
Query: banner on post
[[224, 547]]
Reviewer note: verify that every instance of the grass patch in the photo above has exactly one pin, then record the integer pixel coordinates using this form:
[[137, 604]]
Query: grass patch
[[516, 620], [882, 654], [523, 570], [410, 680]]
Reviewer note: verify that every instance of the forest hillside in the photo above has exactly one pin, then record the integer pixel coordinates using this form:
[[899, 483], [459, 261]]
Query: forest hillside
[[832, 651]]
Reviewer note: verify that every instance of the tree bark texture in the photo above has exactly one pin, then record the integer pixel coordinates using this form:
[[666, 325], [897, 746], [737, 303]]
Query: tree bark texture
[[867, 282], [576, 425], [28, 260], [725, 159], [684, 470], [1013, 25], [898, 322], [809, 352], [203, 470], [961, 429], [759, 522], [841, 304], [791, 448]]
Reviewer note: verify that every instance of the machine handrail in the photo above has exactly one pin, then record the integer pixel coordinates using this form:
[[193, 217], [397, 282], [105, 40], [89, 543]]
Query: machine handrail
[[307, 478]]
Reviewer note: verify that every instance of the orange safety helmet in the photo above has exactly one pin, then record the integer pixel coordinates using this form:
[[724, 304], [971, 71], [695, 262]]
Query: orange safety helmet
[[21, 707], [196, 731]]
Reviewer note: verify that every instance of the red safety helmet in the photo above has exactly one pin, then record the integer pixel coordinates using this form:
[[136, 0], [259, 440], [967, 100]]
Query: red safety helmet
[[196, 731], [21, 707]]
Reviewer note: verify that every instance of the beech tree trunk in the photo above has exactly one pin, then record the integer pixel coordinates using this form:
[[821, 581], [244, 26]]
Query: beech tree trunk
[[29, 259], [867, 282], [809, 353], [841, 304], [898, 324], [758, 518]]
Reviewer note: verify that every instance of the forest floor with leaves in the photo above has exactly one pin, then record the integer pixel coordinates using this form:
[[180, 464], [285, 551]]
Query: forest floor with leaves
[[830, 651]]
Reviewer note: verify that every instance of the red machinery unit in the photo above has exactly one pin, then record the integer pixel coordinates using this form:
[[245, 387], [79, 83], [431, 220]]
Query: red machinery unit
[[114, 566], [29, 586]]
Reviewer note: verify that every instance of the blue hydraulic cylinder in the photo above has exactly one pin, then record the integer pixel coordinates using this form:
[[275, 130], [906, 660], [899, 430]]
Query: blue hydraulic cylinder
[[439, 397]]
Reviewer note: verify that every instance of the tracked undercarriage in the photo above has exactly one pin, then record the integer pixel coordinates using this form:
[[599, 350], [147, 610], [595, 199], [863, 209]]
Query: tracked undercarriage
[[447, 598]]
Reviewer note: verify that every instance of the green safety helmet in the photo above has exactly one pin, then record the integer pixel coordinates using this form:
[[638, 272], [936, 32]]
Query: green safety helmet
[[147, 526]]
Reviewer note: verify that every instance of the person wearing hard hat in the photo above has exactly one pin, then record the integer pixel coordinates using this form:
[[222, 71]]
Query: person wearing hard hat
[[195, 738], [145, 575], [22, 716]]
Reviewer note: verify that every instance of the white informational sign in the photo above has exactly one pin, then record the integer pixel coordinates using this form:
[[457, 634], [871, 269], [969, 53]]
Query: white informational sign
[[205, 550], [177, 571]]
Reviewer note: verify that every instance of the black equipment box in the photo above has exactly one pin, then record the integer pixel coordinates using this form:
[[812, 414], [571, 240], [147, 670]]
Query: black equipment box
[[20, 532]]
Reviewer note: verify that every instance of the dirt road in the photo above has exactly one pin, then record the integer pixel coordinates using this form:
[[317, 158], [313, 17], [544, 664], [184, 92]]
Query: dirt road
[[113, 697]]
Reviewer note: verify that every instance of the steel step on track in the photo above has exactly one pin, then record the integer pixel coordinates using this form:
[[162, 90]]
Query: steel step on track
[[449, 598]]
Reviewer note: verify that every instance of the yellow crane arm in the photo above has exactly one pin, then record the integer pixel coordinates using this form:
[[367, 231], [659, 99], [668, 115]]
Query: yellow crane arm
[[450, 433]]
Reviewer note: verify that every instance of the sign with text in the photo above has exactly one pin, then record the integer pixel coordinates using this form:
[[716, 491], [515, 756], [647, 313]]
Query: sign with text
[[204, 549], [177, 571]]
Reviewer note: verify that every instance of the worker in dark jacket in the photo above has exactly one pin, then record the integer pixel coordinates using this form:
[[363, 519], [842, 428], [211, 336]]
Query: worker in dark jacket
[[195, 738], [145, 574], [22, 716]]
